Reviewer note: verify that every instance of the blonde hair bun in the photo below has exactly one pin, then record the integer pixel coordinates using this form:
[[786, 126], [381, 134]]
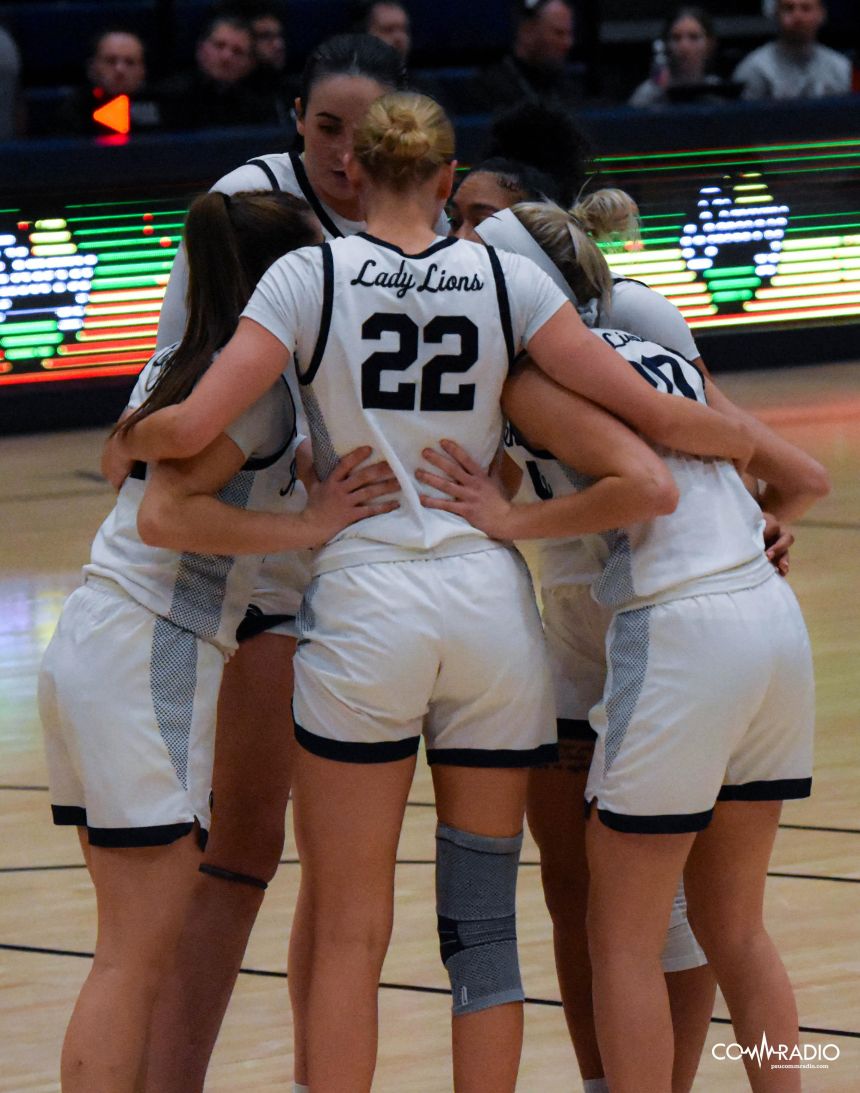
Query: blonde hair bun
[[403, 139]]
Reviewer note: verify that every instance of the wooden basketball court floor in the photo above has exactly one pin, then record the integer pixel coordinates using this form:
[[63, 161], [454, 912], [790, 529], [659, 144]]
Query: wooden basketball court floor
[[51, 501]]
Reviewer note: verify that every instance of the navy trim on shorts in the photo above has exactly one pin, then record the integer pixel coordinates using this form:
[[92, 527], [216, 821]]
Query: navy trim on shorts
[[310, 196], [258, 622], [504, 305], [385, 751], [680, 824], [575, 728], [325, 317], [780, 789], [493, 757], [267, 171], [124, 837]]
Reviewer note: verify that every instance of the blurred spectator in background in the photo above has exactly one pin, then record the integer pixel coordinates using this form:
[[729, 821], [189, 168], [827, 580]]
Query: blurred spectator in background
[[535, 67], [270, 80], [10, 72], [690, 44], [384, 19], [796, 65], [116, 66], [218, 91]]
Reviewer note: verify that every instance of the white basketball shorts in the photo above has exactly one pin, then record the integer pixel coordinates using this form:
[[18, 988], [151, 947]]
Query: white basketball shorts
[[575, 627], [707, 698], [449, 646], [128, 704]]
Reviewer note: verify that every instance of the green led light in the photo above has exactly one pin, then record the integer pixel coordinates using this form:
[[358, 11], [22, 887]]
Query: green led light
[[44, 327], [734, 282], [127, 256], [124, 229], [728, 271], [732, 151], [730, 297], [134, 267], [99, 246], [99, 283], [14, 340], [39, 353]]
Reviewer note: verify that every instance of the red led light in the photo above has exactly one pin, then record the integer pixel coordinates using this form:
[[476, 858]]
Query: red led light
[[148, 230], [23, 225], [164, 241], [148, 216]]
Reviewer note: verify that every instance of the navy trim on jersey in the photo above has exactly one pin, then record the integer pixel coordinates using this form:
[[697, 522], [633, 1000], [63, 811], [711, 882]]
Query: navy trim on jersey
[[575, 728], [325, 316], [679, 824], [493, 757], [258, 622], [440, 244], [504, 305], [138, 470], [267, 171], [385, 751], [310, 196], [69, 815], [520, 440], [781, 789]]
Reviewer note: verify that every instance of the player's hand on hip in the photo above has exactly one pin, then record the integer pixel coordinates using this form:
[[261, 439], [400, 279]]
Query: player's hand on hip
[[350, 493], [470, 491], [777, 541]]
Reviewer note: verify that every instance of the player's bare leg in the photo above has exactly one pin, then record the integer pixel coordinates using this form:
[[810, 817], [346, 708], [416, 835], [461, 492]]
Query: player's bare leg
[[633, 880], [251, 781], [486, 1045], [141, 897], [348, 818], [725, 881]]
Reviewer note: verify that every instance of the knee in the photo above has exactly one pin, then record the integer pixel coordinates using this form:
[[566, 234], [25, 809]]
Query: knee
[[476, 877], [253, 849], [565, 890]]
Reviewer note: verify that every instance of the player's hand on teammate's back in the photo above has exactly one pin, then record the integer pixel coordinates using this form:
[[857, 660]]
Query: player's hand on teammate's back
[[350, 493], [777, 541], [471, 492]]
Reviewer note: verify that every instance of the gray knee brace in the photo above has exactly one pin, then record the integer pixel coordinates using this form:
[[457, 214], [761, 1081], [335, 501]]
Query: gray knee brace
[[476, 883]]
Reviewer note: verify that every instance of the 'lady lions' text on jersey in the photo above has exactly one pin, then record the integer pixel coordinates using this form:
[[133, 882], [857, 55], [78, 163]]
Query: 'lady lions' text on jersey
[[397, 351]]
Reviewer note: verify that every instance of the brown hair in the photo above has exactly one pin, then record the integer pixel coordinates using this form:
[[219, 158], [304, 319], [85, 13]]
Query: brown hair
[[570, 247], [231, 241], [403, 139]]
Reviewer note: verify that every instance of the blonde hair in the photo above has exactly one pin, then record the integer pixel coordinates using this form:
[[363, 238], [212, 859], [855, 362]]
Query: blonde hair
[[571, 248], [403, 139], [611, 216]]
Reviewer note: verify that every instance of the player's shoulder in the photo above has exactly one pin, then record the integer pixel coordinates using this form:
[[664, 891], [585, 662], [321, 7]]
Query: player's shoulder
[[260, 173]]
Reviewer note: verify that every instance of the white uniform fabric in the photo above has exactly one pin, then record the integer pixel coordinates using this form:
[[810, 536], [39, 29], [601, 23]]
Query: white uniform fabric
[[283, 577], [575, 627], [129, 683], [206, 594], [448, 646], [127, 701], [708, 698], [647, 313], [439, 330], [416, 349]]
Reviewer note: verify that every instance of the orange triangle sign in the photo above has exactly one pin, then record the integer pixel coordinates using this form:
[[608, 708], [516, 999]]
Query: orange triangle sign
[[115, 115]]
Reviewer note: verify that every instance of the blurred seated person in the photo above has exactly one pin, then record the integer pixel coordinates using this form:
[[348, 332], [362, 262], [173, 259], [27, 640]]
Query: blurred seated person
[[384, 19], [217, 92], [10, 72], [535, 67], [269, 79], [796, 65], [116, 66], [690, 44]]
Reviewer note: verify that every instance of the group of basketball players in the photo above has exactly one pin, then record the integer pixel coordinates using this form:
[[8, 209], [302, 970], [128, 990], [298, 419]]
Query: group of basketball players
[[391, 604]]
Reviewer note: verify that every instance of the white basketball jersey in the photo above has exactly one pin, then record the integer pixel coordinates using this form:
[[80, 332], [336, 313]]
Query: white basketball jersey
[[711, 542], [204, 593], [398, 351]]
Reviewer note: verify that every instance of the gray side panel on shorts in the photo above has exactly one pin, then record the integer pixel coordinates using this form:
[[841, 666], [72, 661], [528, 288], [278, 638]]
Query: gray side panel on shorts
[[305, 619], [628, 663], [173, 682], [201, 579]]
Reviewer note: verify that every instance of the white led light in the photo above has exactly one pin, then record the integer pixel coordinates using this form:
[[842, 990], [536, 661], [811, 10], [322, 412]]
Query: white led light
[[69, 324], [688, 252], [765, 271], [689, 229], [6, 240], [700, 263], [711, 251], [706, 215], [698, 240]]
